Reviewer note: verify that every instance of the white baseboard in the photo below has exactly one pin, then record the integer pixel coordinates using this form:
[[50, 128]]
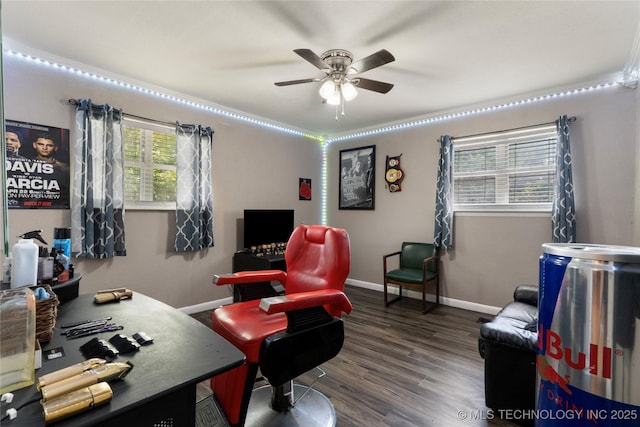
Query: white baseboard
[[465, 305]]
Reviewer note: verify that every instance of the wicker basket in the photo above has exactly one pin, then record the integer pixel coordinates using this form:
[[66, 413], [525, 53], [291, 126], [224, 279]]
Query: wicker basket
[[46, 313]]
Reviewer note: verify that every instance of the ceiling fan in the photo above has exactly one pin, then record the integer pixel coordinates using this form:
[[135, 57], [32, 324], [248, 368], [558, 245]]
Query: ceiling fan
[[340, 79]]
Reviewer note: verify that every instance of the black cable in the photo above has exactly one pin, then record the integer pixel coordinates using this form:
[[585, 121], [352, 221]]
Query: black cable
[[28, 402]]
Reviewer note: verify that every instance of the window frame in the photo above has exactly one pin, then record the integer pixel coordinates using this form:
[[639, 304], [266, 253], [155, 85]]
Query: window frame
[[147, 163], [501, 140]]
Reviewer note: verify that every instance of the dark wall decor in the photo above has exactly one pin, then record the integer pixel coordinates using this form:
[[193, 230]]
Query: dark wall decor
[[37, 159], [304, 189], [357, 178], [393, 173]]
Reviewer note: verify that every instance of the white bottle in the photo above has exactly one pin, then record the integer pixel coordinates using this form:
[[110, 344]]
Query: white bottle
[[24, 270]]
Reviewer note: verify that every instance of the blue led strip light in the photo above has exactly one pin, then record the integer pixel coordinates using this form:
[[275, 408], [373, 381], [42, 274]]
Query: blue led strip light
[[328, 140], [155, 93], [481, 110], [324, 183]]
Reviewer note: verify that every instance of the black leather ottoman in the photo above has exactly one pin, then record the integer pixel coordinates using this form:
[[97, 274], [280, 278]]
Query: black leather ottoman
[[507, 344]]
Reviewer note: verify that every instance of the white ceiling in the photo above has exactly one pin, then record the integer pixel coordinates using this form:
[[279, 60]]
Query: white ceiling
[[448, 54]]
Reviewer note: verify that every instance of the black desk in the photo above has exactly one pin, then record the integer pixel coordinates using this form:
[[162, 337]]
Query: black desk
[[161, 388]]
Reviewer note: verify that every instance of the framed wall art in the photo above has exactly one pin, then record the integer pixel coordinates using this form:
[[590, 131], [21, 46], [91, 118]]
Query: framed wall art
[[304, 189], [357, 178]]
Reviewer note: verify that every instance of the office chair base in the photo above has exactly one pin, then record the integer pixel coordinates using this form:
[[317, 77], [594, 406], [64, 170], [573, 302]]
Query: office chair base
[[313, 409]]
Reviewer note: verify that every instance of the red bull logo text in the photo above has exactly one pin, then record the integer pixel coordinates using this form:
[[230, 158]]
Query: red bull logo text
[[600, 358], [587, 316]]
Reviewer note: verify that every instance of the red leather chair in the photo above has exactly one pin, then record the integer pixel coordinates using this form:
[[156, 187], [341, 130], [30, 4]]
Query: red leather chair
[[287, 335]]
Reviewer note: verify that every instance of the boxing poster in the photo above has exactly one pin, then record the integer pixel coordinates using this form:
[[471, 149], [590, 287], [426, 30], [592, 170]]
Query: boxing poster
[[37, 163]]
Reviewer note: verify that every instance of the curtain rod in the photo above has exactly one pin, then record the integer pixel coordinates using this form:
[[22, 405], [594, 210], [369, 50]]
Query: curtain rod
[[133, 116], [570, 119]]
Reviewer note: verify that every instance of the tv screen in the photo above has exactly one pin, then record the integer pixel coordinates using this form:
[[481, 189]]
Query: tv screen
[[263, 226]]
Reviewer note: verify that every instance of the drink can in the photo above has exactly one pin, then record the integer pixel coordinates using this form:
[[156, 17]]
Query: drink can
[[588, 366]]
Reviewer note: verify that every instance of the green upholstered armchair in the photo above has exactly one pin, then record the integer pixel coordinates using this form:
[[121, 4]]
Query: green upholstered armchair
[[418, 266]]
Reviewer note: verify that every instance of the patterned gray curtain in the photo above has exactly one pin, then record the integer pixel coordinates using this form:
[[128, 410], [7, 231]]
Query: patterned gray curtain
[[97, 198], [443, 230], [563, 214], [194, 197]]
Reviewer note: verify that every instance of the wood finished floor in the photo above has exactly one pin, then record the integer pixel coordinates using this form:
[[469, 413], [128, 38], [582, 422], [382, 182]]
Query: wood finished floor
[[399, 367]]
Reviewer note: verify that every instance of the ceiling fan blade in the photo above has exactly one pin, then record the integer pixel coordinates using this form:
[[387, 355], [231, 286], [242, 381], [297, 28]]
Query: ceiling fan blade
[[295, 82], [377, 59], [310, 56], [373, 85]]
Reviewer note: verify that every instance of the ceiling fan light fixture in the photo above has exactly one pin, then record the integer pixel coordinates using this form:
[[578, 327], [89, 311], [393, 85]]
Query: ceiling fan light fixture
[[337, 65], [334, 99], [349, 91], [328, 89]]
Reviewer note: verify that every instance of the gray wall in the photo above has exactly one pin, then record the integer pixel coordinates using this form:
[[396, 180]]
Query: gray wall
[[254, 167], [493, 253]]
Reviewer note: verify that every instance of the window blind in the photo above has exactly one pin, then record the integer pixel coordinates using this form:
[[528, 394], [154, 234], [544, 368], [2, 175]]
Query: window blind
[[510, 170], [150, 165]]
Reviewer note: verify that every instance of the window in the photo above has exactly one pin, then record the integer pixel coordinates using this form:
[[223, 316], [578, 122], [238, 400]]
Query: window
[[149, 165], [514, 170]]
